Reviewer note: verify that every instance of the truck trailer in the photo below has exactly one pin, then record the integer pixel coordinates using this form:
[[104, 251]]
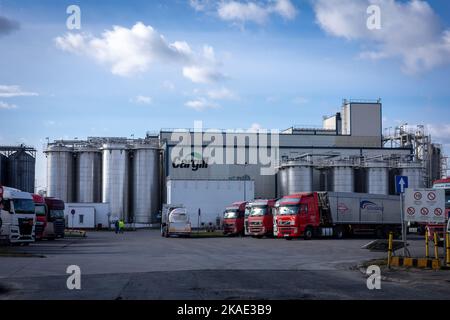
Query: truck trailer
[[56, 222], [233, 219], [337, 214]]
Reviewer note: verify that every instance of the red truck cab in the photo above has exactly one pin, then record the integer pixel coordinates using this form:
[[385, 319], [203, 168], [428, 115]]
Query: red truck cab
[[41, 216], [260, 220], [56, 222], [296, 216], [233, 219]]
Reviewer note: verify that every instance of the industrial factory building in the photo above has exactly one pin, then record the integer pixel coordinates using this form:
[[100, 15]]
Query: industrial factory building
[[348, 154]]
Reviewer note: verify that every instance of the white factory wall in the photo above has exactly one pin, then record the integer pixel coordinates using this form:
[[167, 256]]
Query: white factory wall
[[93, 215], [210, 196]]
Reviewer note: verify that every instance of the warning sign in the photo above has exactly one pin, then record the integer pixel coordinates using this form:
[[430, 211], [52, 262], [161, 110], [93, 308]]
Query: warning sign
[[425, 205]]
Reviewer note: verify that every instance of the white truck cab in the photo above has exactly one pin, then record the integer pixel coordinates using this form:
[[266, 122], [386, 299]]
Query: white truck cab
[[175, 221], [17, 216]]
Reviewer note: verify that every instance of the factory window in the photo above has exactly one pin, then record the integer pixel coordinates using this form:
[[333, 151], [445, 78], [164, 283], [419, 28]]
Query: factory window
[[81, 218]]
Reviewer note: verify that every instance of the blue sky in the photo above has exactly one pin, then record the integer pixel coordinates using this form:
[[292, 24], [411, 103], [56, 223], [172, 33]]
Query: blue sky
[[231, 64]]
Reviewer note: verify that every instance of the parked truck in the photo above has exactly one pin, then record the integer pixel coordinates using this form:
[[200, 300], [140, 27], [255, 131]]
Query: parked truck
[[56, 222], [175, 221], [17, 216], [260, 220], [338, 214], [41, 215], [233, 219]]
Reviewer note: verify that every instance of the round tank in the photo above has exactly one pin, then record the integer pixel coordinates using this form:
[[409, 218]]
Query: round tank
[[282, 182], [21, 169], [115, 179], [88, 178], [145, 183], [3, 160], [299, 176], [343, 176], [377, 177], [414, 172], [60, 173]]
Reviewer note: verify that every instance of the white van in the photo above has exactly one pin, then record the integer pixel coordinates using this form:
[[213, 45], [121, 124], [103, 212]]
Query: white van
[[17, 216]]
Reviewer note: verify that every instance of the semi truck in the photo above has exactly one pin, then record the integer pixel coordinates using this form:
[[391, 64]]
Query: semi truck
[[233, 219], [41, 216], [175, 221], [260, 220], [17, 216], [338, 214], [56, 222]]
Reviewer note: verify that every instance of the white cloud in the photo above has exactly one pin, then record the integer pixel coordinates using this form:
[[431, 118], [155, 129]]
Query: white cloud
[[255, 127], [439, 133], [222, 94], [201, 104], [300, 100], [4, 105], [14, 91], [168, 85], [202, 74], [259, 13], [132, 51], [142, 100], [199, 5], [409, 31]]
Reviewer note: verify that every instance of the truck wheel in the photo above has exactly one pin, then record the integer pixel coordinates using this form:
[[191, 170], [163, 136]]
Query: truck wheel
[[308, 233]]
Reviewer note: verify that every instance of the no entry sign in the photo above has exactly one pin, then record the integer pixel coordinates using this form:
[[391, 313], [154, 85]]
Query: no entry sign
[[425, 205]]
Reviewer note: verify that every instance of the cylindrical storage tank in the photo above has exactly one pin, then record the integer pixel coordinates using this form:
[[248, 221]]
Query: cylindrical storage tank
[[299, 176], [343, 175], [60, 173], [377, 177], [414, 171], [145, 183], [21, 170], [88, 176], [282, 182], [3, 178], [115, 179]]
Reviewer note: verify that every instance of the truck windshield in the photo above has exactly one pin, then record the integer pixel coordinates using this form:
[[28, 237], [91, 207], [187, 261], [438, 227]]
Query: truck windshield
[[23, 206], [40, 210], [57, 214], [230, 214], [258, 211], [178, 217], [288, 210], [247, 211]]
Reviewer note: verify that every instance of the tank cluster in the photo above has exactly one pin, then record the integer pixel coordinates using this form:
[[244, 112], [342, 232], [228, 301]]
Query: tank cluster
[[374, 175], [17, 167], [122, 172]]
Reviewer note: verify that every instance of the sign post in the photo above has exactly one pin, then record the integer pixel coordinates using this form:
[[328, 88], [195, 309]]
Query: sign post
[[401, 185]]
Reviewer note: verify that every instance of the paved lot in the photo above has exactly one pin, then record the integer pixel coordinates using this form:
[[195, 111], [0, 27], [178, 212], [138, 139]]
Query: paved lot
[[142, 265]]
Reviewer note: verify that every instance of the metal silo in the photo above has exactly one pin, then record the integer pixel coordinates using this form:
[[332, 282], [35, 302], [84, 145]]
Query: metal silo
[[60, 172], [343, 176], [282, 182], [21, 167], [377, 177], [115, 179], [88, 175], [145, 183], [414, 171], [299, 176], [3, 171]]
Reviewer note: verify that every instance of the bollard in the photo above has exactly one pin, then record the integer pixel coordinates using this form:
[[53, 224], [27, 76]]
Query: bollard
[[436, 249], [391, 239], [427, 247], [448, 249]]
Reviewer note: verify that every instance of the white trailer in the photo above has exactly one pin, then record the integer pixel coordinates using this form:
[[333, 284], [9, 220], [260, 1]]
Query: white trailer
[[211, 197], [87, 215]]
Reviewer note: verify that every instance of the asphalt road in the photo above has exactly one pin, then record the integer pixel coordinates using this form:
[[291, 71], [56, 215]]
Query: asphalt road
[[142, 265]]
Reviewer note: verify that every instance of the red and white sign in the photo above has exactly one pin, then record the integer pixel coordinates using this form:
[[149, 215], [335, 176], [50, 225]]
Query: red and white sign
[[425, 205]]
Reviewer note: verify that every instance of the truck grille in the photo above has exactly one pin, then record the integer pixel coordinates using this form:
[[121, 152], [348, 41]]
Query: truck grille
[[59, 227], [285, 230], [25, 226], [255, 223]]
